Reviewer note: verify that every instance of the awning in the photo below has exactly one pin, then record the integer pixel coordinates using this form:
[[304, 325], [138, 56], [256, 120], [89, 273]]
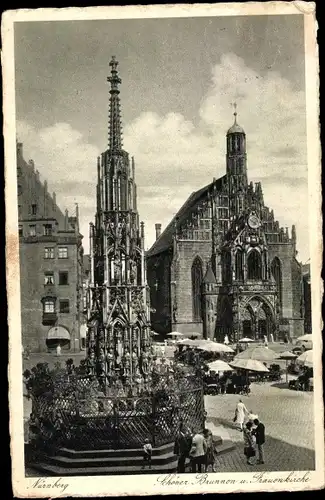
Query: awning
[[58, 332]]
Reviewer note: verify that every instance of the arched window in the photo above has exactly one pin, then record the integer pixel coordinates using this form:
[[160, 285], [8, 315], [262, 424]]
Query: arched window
[[239, 269], [276, 271], [226, 267], [197, 277], [254, 265]]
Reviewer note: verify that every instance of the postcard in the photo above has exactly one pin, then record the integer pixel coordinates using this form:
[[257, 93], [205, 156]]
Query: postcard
[[163, 249]]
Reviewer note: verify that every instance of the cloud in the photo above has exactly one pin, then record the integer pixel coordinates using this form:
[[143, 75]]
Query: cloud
[[177, 157], [174, 156], [65, 159]]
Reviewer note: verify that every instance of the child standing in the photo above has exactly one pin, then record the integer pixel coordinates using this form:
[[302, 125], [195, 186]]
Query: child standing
[[147, 453]]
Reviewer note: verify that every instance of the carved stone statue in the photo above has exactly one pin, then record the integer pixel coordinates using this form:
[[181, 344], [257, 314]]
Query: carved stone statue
[[126, 363], [110, 361], [135, 363], [92, 363], [101, 362], [144, 362]]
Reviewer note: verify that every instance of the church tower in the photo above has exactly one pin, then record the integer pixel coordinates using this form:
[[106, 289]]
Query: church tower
[[236, 168], [118, 312]]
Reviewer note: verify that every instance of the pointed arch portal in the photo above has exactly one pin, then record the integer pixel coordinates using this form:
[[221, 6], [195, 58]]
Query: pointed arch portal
[[257, 319]]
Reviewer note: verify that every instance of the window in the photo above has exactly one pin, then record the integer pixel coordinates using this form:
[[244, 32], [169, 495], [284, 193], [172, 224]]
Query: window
[[47, 229], [49, 306], [19, 211], [254, 265], [63, 252], [49, 278], [276, 271], [32, 230], [197, 277], [20, 230], [63, 278], [226, 267], [223, 213], [49, 253], [34, 209], [64, 306], [239, 266]]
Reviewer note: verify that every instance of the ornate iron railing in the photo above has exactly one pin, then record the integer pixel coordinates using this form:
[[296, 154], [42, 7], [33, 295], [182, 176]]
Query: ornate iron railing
[[92, 421]]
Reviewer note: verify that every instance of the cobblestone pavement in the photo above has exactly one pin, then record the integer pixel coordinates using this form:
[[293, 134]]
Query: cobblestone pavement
[[288, 419]]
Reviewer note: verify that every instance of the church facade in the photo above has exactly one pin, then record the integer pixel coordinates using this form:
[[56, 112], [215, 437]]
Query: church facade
[[223, 265]]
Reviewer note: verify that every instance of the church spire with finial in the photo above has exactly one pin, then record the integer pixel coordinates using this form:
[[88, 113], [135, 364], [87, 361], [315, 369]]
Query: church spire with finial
[[235, 112], [115, 126]]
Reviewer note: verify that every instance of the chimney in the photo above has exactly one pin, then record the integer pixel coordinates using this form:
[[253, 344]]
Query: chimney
[[31, 163], [158, 230], [37, 175], [66, 220]]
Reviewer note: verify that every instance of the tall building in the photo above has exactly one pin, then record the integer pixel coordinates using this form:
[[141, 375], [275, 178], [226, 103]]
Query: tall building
[[224, 265], [50, 265], [118, 305]]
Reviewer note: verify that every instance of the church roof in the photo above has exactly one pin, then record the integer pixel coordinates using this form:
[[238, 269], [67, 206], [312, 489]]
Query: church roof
[[165, 240], [236, 129]]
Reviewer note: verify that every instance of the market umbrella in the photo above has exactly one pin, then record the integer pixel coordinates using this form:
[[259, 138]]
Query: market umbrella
[[245, 340], [219, 366], [287, 356], [209, 346], [306, 359], [252, 365], [259, 353], [305, 338], [175, 334], [188, 342]]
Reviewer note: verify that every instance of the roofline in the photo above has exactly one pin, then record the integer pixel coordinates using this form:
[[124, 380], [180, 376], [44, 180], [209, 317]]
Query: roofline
[[151, 252]]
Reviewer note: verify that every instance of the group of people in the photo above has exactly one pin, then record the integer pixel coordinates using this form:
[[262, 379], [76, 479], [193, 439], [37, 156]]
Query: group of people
[[196, 448], [253, 432]]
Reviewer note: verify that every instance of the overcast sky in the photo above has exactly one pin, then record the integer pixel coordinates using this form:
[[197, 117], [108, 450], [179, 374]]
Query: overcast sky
[[179, 78]]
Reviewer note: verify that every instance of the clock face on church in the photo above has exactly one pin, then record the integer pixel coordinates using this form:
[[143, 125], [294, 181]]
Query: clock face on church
[[253, 221]]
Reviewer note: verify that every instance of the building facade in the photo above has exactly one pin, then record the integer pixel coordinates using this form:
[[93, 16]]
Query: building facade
[[224, 266], [118, 339], [50, 265]]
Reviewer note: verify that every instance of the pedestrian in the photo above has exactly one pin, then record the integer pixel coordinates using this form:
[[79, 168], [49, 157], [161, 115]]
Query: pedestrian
[[240, 413], [182, 447], [58, 350], [265, 341], [249, 443], [197, 452], [259, 433], [226, 340], [210, 456], [147, 453]]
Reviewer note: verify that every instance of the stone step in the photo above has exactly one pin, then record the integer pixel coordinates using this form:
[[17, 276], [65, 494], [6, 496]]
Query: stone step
[[69, 452], [55, 470], [108, 460]]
